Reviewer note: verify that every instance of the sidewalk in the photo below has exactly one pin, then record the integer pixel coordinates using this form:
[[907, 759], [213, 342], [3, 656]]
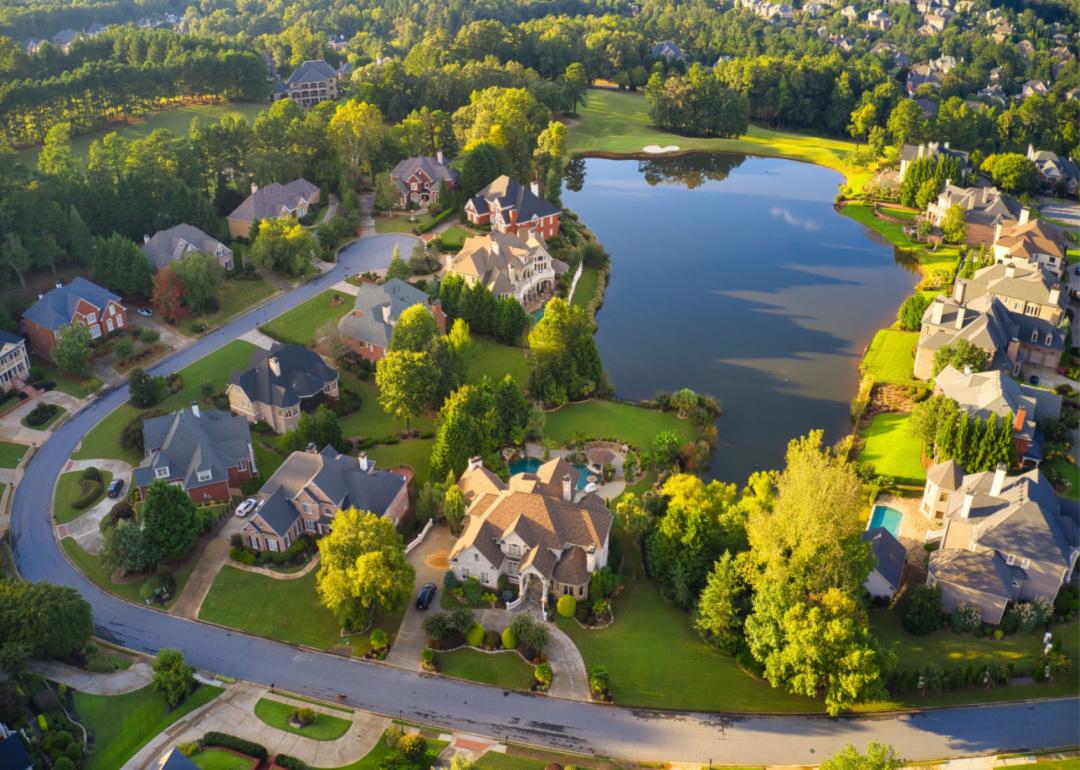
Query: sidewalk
[[117, 683]]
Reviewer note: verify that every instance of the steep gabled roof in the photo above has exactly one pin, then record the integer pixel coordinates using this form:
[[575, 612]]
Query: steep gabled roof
[[186, 444], [167, 245], [377, 310], [312, 71], [301, 374], [511, 194], [889, 553], [56, 309], [269, 201], [432, 169]]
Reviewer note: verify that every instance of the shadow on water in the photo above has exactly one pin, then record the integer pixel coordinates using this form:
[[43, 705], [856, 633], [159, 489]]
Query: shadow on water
[[735, 276]]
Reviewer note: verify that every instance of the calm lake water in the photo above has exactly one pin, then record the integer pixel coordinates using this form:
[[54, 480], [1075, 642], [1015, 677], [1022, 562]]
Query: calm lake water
[[734, 276]]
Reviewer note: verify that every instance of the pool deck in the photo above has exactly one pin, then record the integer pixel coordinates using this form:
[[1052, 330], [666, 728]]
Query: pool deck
[[608, 491], [913, 528]]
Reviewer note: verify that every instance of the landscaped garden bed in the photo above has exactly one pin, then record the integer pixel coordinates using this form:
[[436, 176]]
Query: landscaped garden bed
[[43, 416], [79, 491], [301, 720]]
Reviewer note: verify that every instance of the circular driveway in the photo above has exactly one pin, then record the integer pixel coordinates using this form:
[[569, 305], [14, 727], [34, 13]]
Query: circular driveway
[[374, 252], [635, 734]]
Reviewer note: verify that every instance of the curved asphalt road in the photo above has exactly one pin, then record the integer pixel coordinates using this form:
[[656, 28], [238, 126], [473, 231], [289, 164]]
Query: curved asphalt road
[[614, 732]]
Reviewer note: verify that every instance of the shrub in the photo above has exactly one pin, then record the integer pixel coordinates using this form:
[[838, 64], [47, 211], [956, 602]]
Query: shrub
[[598, 680], [933, 678], [1033, 614], [429, 661], [509, 638], [450, 581], [437, 627], [285, 762], [492, 640], [967, 618], [530, 634], [63, 763], [226, 741], [566, 606], [472, 592], [378, 639], [475, 636], [601, 610], [302, 716], [91, 474], [243, 556], [412, 747], [543, 675], [188, 748], [604, 583], [923, 613], [91, 491]]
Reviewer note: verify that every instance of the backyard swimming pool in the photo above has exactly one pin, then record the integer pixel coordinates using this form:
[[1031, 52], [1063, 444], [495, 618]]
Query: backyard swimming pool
[[530, 464], [889, 518]]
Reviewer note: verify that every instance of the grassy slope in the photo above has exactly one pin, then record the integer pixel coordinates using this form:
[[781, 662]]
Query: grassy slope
[[893, 449], [494, 360], [11, 454], [90, 565], [236, 297], [891, 357], [68, 489], [300, 324], [586, 287], [601, 419], [324, 728], [123, 724], [504, 669]]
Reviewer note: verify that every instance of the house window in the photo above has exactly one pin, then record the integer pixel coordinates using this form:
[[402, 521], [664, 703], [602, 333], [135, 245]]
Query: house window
[[242, 465], [307, 507], [288, 539], [272, 544], [475, 556], [203, 475], [515, 549], [464, 574], [412, 185], [92, 318], [255, 543], [1024, 564], [1034, 335], [1049, 339], [483, 578], [161, 472], [1010, 560], [310, 525]]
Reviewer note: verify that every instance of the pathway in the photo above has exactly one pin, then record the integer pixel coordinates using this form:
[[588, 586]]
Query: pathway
[[258, 339], [367, 217], [233, 713], [429, 559], [12, 429], [116, 683], [87, 528]]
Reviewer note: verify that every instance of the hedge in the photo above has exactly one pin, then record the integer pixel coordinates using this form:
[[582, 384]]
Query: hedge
[[91, 491], [226, 741], [286, 762]]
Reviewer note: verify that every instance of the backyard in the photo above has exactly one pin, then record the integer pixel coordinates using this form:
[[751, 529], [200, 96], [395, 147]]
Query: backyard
[[496, 360], [892, 449], [507, 670], [123, 724], [890, 357], [603, 419], [323, 728], [586, 287], [942, 258], [302, 323]]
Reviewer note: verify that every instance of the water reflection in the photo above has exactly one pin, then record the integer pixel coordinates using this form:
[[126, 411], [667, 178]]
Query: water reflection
[[734, 276]]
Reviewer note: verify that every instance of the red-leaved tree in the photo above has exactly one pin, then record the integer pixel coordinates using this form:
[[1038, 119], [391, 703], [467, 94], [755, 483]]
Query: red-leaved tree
[[168, 295]]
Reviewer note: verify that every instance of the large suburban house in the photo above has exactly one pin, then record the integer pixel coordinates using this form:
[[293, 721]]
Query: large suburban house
[[1027, 291], [306, 492], [984, 209], [1005, 539], [1032, 243], [420, 178], [79, 302], [537, 528], [889, 558], [667, 50], [982, 394], [368, 328], [510, 207], [14, 361], [508, 266], [168, 245], [271, 202], [278, 383], [1055, 170], [312, 82], [913, 152], [208, 453]]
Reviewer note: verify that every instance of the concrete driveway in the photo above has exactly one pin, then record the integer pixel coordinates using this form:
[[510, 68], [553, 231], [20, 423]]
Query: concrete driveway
[[429, 561], [87, 528]]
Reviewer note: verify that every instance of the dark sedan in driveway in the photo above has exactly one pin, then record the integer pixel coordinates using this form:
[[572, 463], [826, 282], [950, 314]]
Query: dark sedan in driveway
[[426, 596]]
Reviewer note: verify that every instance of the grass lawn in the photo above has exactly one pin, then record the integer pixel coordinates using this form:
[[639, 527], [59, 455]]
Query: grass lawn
[[300, 324], [11, 454], [503, 669], [380, 753], [68, 490], [123, 724], [235, 297], [399, 223], [324, 728], [603, 419], [1071, 763], [496, 361], [65, 383], [90, 565], [893, 449], [49, 423], [891, 357], [103, 441], [414, 452], [370, 421], [453, 238], [267, 458], [1072, 473], [219, 759], [942, 258], [176, 120], [618, 122], [586, 287]]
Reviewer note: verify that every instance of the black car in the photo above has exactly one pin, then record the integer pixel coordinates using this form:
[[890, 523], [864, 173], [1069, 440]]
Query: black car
[[115, 487], [426, 596]]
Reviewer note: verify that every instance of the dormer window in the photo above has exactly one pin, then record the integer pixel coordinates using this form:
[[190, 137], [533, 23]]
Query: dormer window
[[1049, 339], [161, 472], [92, 318], [203, 475], [1010, 560], [1034, 335], [1025, 563]]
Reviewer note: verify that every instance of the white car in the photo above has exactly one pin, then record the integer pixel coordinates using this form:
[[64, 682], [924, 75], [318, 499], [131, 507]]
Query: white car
[[246, 507]]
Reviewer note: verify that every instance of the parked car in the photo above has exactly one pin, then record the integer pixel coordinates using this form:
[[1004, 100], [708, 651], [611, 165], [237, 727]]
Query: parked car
[[426, 596], [145, 312], [116, 486], [246, 507]]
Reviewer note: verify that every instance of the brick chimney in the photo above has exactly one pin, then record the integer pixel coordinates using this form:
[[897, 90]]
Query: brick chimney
[[1021, 418]]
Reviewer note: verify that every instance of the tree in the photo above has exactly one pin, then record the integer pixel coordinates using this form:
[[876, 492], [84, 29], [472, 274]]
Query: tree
[[124, 550], [922, 610], [929, 417], [697, 104], [459, 340], [910, 314], [953, 226], [415, 331], [960, 355], [201, 275], [453, 507], [478, 420], [907, 124], [357, 134], [363, 569], [145, 390], [577, 84], [568, 365], [56, 158], [120, 265], [15, 257], [320, 428], [863, 119], [167, 295], [482, 164], [550, 149], [398, 268], [684, 400], [52, 621], [878, 756], [174, 679], [509, 118], [721, 606], [169, 522], [633, 516], [283, 246], [1012, 172], [72, 350], [407, 383]]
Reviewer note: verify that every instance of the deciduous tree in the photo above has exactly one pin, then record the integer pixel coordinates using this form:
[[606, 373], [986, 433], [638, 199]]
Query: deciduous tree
[[169, 522], [283, 246], [72, 350], [167, 296], [407, 384], [174, 679]]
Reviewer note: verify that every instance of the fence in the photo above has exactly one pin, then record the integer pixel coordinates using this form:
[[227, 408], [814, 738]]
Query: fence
[[420, 538]]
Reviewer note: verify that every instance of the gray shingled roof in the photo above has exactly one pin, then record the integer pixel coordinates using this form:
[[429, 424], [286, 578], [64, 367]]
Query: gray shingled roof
[[167, 245], [278, 512], [7, 338], [512, 194], [302, 374], [312, 71], [269, 201], [438, 172], [978, 571], [889, 553], [185, 444], [379, 309], [55, 310]]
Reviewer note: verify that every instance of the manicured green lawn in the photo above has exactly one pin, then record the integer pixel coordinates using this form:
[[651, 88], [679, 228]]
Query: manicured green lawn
[[453, 238], [380, 753], [399, 223], [586, 287], [65, 383], [495, 360], [1070, 472], [11, 454], [618, 122], [235, 297], [218, 759], [90, 565], [370, 421], [302, 323], [504, 669], [603, 419], [123, 724], [942, 258], [414, 452], [57, 414], [103, 441], [175, 120], [891, 357], [267, 458], [68, 490], [324, 728], [893, 449]]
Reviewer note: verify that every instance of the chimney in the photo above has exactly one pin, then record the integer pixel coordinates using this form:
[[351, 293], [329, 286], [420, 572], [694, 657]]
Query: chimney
[[969, 500], [534, 188], [946, 145], [275, 365], [568, 487], [1025, 216], [937, 310], [496, 249], [475, 462], [999, 480], [195, 409], [967, 370], [1021, 418], [1055, 294], [960, 291], [1012, 352], [440, 157], [513, 216], [59, 284], [1031, 152], [960, 317], [312, 448], [362, 459], [145, 239], [254, 188], [997, 232], [1010, 271], [41, 296]]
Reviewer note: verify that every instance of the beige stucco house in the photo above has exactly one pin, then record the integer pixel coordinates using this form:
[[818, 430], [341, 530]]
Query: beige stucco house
[[508, 266]]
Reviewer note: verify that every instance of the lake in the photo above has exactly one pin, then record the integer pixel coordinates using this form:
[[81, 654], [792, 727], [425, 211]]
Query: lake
[[734, 276]]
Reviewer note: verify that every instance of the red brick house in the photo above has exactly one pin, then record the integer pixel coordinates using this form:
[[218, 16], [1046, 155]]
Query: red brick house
[[510, 207], [80, 302], [420, 178]]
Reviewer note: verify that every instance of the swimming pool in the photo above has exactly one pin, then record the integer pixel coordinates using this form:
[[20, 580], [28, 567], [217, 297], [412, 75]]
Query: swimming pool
[[889, 518], [530, 464]]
